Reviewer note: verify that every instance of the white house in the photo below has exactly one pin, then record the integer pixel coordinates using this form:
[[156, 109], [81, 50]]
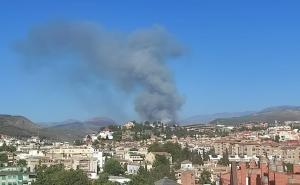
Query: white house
[[187, 165], [105, 134], [129, 125], [119, 179], [243, 158], [132, 168], [215, 158], [100, 159]]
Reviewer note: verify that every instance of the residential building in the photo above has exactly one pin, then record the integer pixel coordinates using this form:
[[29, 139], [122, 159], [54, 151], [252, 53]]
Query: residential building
[[186, 165], [266, 172], [188, 178], [16, 176]]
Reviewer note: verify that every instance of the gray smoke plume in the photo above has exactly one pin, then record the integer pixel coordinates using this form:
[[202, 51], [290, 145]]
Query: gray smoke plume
[[135, 62]]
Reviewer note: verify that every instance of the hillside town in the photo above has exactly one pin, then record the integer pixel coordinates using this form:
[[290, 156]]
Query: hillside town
[[149, 92], [245, 154]]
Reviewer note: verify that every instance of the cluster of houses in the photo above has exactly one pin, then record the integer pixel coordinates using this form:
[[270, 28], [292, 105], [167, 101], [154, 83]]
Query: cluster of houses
[[247, 149], [37, 153]]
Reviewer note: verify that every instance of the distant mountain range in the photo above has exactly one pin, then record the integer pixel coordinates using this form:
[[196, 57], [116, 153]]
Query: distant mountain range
[[280, 113], [17, 126], [206, 118], [20, 126], [73, 129], [69, 130]]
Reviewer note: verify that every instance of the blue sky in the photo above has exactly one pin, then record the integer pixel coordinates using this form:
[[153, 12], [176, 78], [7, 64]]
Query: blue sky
[[240, 55]]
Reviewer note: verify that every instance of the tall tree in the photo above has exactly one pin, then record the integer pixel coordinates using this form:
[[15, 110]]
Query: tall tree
[[143, 177], [277, 138], [161, 168], [196, 158], [22, 162], [3, 158], [103, 180], [113, 167], [225, 159], [57, 175], [205, 177], [160, 160]]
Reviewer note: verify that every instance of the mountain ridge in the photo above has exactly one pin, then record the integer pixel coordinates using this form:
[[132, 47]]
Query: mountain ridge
[[269, 114], [20, 126], [206, 118], [16, 125]]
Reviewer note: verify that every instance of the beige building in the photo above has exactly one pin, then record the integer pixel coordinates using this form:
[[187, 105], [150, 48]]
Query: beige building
[[69, 152], [83, 157], [88, 165]]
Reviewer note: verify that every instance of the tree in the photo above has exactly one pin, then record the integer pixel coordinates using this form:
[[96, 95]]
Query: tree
[[161, 168], [22, 163], [174, 149], [57, 175], [143, 177], [225, 159], [113, 167], [103, 180], [95, 143], [288, 167], [178, 154], [205, 177], [155, 147], [197, 159], [212, 151], [117, 135], [205, 155], [11, 149], [3, 158], [7, 148], [277, 138], [160, 160], [161, 171], [185, 154]]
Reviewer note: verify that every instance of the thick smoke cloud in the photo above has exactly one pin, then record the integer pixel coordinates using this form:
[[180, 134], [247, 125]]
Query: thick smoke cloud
[[135, 62]]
